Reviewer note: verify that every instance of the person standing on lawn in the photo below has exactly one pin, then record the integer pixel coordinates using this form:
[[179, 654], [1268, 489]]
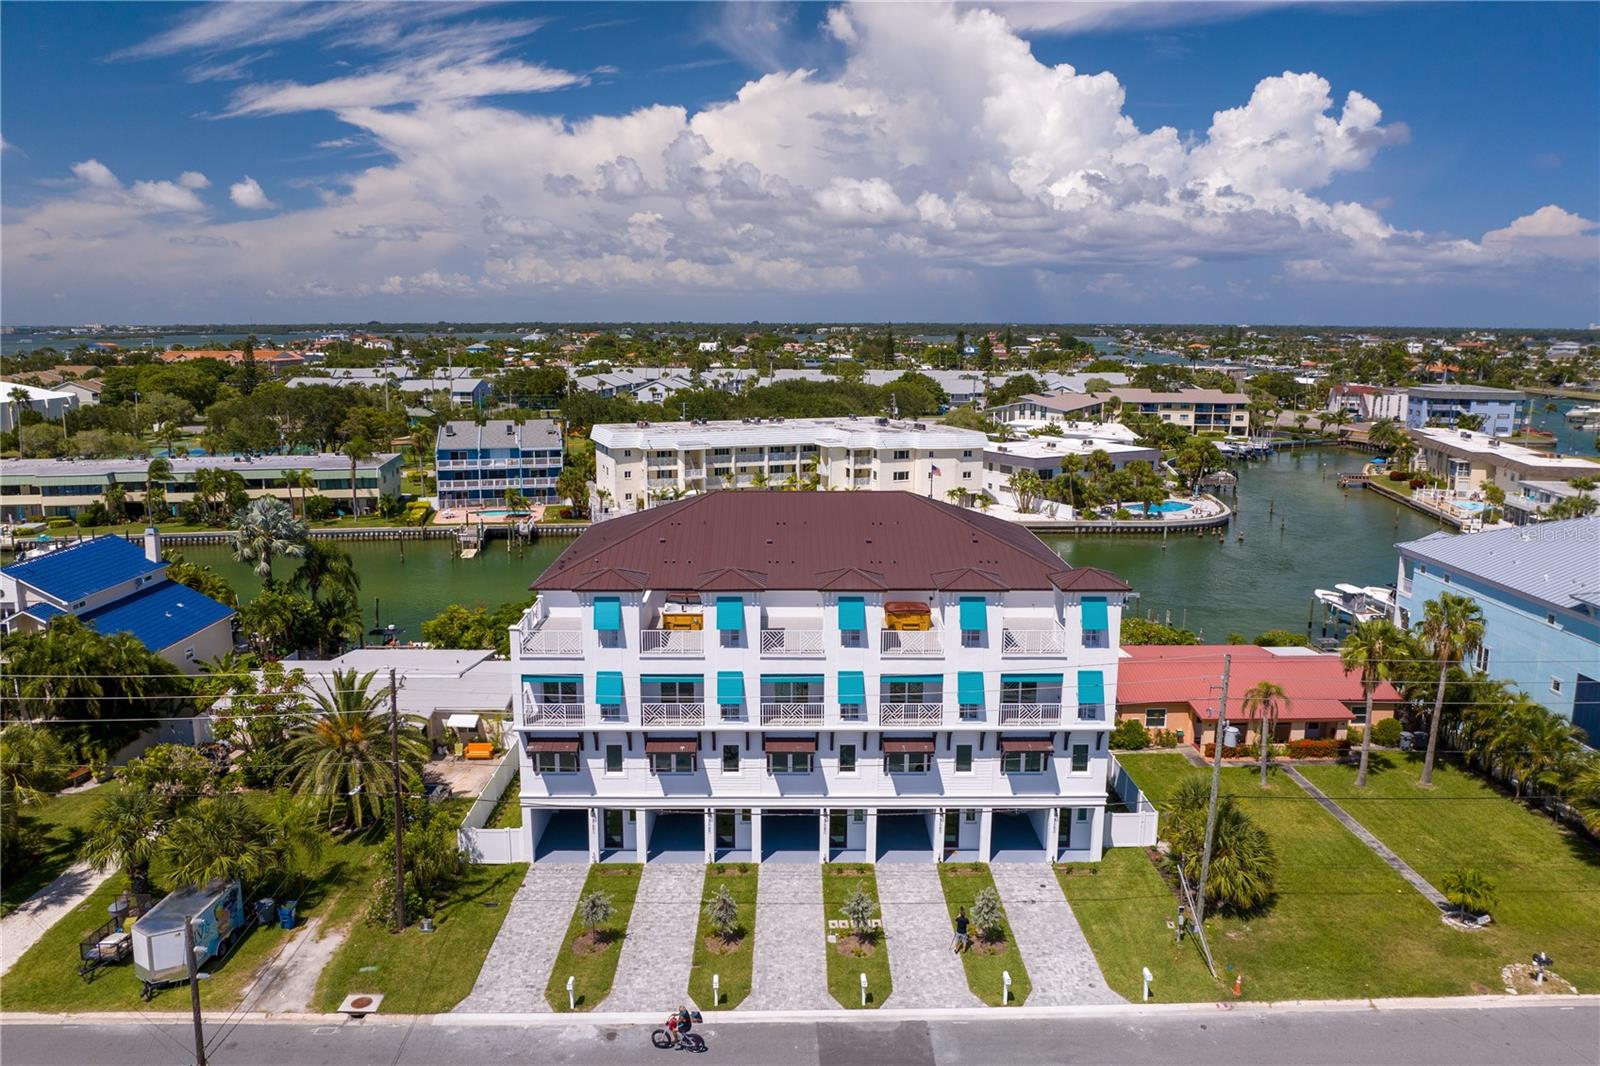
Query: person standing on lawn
[[962, 940]]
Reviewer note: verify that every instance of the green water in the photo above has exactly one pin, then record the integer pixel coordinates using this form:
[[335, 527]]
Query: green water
[[1300, 532]]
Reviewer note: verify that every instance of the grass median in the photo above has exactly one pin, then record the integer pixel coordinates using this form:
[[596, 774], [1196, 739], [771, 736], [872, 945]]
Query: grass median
[[590, 958], [992, 954], [847, 959], [731, 960]]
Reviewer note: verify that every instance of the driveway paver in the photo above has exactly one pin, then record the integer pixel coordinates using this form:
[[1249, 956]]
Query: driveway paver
[[653, 971], [916, 924], [790, 967], [520, 959], [1060, 963]]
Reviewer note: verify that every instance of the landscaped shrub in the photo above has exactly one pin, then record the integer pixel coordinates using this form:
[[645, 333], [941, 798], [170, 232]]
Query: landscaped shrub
[[1418, 482], [1354, 735], [1244, 866], [1164, 738], [1387, 732], [1241, 751], [1399, 475], [320, 508], [1130, 735], [1317, 749]]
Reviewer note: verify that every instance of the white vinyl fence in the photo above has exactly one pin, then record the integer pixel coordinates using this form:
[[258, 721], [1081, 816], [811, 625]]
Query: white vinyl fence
[[493, 846], [1135, 827]]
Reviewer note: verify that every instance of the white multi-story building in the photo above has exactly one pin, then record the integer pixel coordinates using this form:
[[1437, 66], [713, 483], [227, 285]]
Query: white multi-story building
[[639, 464], [759, 675]]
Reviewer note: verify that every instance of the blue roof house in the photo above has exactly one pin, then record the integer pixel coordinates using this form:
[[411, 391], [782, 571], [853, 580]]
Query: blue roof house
[[117, 586]]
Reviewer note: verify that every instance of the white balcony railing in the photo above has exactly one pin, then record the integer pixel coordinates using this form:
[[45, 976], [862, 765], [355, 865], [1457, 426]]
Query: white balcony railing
[[910, 713], [1030, 642], [791, 643], [1029, 713], [672, 713], [547, 640], [791, 713], [685, 642], [912, 642], [539, 712]]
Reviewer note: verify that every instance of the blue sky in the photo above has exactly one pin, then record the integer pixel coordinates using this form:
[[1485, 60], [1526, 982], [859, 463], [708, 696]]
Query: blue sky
[[1380, 163]]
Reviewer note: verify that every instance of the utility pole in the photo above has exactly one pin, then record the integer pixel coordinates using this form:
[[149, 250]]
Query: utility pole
[[1216, 781], [399, 809], [194, 993]]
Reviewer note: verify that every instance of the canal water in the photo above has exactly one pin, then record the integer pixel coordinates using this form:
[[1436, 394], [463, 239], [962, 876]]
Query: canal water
[[1300, 532]]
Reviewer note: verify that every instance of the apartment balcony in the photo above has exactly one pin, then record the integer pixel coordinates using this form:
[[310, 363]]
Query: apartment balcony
[[545, 637], [778, 456], [672, 713], [910, 713], [1030, 713], [912, 643], [792, 643], [537, 712], [807, 713], [672, 643], [1031, 643]]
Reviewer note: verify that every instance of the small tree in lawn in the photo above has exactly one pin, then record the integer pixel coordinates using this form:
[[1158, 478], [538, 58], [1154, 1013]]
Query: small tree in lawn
[[859, 910], [1469, 890], [594, 910], [987, 915], [722, 911]]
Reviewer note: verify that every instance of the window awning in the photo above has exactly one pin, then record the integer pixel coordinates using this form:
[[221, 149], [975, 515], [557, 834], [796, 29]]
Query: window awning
[[1094, 613], [852, 686], [1091, 687], [1031, 679], [608, 688], [730, 686], [607, 614], [974, 613], [730, 613], [902, 745], [672, 679], [462, 721], [1026, 744], [915, 679], [551, 679], [791, 679], [670, 745], [789, 744], [852, 613], [969, 688], [538, 744]]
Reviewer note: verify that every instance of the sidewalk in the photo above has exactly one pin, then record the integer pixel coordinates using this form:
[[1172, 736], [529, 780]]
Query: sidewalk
[[23, 927], [1381, 850]]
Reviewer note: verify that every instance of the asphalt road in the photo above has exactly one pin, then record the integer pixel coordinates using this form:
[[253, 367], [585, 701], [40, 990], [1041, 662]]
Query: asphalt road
[[1547, 1035]]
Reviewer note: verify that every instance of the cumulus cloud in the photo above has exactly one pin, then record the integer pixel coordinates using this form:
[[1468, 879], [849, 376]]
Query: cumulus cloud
[[99, 185], [1548, 221], [248, 194], [193, 179]]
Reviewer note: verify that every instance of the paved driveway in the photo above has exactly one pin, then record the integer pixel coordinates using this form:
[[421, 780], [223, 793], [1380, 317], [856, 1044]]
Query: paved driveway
[[1060, 964]]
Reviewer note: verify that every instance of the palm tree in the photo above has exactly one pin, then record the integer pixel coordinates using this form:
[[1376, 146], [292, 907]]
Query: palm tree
[[116, 500], [265, 529], [357, 450], [340, 749], [1243, 863], [123, 832], [1266, 700], [324, 565], [208, 485], [1452, 628], [298, 479], [1372, 648], [1385, 434], [159, 472], [220, 838]]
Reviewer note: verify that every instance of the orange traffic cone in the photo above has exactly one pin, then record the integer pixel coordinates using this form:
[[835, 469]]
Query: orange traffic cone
[[1238, 984]]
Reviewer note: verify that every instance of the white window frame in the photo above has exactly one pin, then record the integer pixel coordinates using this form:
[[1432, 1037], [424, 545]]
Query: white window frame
[[555, 762], [907, 762], [1149, 712], [674, 762], [1024, 762], [791, 762], [959, 749], [622, 760], [855, 760], [1088, 762], [736, 761]]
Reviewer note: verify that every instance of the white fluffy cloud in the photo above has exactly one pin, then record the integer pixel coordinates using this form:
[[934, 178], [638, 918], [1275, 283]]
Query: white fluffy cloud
[[939, 153]]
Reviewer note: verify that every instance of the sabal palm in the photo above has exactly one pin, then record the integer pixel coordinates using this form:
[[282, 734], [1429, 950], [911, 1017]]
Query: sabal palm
[[1452, 627], [220, 838], [264, 530], [1266, 700], [159, 472], [1372, 649], [123, 832], [340, 750], [326, 567]]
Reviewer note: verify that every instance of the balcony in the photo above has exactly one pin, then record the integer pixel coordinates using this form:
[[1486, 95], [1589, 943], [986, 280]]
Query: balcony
[[1029, 643], [912, 643], [687, 643], [910, 713], [537, 712], [791, 643], [1030, 713], [546, 637], [807, 713], [672, 713]]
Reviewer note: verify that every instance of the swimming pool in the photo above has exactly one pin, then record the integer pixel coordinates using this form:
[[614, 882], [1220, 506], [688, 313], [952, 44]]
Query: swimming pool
[[1164, 507], [501, 512], [1469, 505]]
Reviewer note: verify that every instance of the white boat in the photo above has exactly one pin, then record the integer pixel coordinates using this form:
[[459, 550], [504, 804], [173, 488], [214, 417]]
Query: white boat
[[1356, 602], [1584, 414]]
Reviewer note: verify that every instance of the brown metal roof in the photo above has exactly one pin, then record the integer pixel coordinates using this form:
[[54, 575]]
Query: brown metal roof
[[1026, 744], [897, 745], [788, 744], [1089, 579], [670, 745], [538, 744], [855, 541]]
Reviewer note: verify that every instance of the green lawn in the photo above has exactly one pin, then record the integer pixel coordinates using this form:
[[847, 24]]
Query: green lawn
[[732, 967], [1546, 875], [1343, 925], [507, 813], [962, 882], [61, 824], [594, 973], [425, 973], [839, 881]]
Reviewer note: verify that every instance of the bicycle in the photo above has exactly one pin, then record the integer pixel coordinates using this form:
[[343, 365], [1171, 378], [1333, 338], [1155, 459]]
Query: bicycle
[[692, 1042]]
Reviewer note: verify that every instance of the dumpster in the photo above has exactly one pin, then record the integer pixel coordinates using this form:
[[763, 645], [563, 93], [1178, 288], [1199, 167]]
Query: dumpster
[[217, 913], [265, 909], [286, 911]]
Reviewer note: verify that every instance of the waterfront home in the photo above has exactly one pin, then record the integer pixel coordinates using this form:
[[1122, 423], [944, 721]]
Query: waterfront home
[[1037, 409], [265, 358], [117, 586], [1196, 409], [1177, 688], [478, 464], [1538, 588], [1045, 456], [464, 388], [816, 676], [47, 488], [1368, 403], [51, 404], [639, 464], [1443, 404], [1469, 460]]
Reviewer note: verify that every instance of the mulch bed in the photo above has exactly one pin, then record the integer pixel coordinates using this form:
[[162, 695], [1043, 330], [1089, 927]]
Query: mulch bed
[[998, 946], [593, 943], [718, 946], [855, 946]]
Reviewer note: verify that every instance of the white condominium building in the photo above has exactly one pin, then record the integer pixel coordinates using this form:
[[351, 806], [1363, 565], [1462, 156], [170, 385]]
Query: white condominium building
[[640, 464], [778, 675]]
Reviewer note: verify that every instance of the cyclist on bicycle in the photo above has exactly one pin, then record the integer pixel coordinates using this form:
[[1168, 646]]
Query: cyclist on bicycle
[[678, 1024]]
